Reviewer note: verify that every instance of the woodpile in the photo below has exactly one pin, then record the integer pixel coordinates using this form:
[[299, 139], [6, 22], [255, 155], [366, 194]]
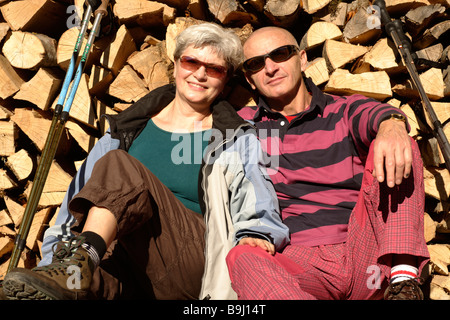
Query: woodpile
[[348, 53]]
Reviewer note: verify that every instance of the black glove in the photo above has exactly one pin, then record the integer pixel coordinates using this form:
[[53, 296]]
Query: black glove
[[94, 4]]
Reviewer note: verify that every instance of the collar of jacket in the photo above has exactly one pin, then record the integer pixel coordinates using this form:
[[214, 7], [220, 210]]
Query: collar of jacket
[[128, 124]]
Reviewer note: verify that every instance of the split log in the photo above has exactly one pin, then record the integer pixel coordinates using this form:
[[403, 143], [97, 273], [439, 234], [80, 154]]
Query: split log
[[429, 228], [6, 246], [432, 53], [36, 229], [144, 13], [230, 12], [36, 125], [116, 53], [432, 81], [440, 287], [431, 35], [318, 33], [81, 108], [8, 136], [337, 54], [5, 219], [439, 258], [27, 50], [398, 7], [442, 110], [415, 123], [174, 29], [153, 65], [4, 28], [312, 6], [5, 114], [381, 57], [99, 80], [283, 13], [437, 183], [66, 45], [418, 19], [20, 164], [41, 89], [10, 81], [15, 210], [446, 75], [128, 86], [6, 181], [362, 28], [317, 70], [371, 84], [40, 16], [197, 9], [337, 14], [55, 187]]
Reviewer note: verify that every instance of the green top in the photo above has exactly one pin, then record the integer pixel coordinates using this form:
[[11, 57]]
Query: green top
[[174, 158]]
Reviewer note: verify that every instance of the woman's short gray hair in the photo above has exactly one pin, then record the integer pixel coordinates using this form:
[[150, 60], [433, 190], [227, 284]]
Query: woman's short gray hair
[[224, 41]]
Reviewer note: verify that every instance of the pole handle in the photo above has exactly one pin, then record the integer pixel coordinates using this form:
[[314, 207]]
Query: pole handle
[[103, 8]]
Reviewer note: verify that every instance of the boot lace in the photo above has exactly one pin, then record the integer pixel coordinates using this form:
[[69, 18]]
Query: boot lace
[[63, 256]]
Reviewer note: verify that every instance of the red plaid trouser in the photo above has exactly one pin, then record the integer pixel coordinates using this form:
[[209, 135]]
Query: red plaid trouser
[[384, 222]]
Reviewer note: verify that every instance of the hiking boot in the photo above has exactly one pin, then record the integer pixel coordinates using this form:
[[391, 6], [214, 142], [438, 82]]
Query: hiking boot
[[404, 290], [68, 277]]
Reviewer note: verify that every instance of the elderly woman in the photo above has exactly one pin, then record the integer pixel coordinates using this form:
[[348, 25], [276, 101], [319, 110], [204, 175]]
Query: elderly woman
[[164, 195]]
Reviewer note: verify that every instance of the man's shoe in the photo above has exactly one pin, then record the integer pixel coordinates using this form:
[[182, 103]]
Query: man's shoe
[[404, 290], [68, 277]]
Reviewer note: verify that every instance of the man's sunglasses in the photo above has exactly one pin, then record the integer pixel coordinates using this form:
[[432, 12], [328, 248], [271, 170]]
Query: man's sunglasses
[[212, 70], [277, 55]]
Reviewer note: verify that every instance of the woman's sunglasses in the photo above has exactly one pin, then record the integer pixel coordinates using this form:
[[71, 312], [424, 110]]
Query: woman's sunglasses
[[278, 55], [212, 70]]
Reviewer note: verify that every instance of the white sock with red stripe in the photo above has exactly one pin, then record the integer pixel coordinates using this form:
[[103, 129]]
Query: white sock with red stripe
[[403, 272]]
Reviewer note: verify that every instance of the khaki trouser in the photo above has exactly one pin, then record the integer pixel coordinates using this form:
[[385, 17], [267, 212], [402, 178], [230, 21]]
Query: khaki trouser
[[159, 248]]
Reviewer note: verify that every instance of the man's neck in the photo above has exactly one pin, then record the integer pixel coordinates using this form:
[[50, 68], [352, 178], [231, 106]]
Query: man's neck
[[293, 106]]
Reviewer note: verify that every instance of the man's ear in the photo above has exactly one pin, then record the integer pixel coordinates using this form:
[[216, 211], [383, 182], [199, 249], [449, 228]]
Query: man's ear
[[250, 80], [303, 59]]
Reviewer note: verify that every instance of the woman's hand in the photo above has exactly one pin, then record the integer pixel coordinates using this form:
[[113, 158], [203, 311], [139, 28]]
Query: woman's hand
[[256, 242]]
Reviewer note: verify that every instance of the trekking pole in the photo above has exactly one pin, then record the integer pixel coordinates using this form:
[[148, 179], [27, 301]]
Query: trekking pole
[[395, 30], [60, 117]]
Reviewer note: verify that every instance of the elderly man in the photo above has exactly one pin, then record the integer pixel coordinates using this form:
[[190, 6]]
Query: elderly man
[[349, 183]]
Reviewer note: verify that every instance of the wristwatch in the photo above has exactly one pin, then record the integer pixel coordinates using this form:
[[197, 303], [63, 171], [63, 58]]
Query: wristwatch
[[398, 117], [394, 116]]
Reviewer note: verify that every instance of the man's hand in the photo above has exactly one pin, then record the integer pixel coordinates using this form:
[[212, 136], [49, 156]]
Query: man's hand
[[256, 242], [392, 153]]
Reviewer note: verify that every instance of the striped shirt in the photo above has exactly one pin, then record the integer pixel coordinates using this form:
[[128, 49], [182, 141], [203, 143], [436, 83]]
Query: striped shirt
[[316, 160]]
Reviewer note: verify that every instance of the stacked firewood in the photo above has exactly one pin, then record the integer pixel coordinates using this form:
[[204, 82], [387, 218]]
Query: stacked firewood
[[349, 52]]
